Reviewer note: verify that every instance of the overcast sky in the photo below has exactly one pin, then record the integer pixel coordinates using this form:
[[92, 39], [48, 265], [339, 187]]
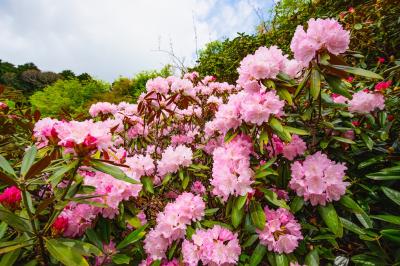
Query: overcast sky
[[109, 38]]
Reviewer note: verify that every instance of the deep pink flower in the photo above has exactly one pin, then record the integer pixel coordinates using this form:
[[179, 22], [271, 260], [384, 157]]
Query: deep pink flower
[[11, 197], [383, 85], [60, 225]]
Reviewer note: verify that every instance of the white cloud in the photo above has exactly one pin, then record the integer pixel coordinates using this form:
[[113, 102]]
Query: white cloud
[[108, 38]]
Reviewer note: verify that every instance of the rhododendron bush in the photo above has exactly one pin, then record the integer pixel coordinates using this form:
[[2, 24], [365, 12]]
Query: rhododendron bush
[[295, 164]]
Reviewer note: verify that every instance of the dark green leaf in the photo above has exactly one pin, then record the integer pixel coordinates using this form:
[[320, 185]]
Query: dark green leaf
[[6, 166], [296, 131], [257, 215], [132, 237], [121, 259], [296, 204], [312, 258], [338, 86], [315, 86], [357, 71], [258, 255], [113, 171], [392, 194], [387, 218], [13, 220], [147, 184], [331, 219], [67, 255], [28, 160], [352, 227], [391, 234]]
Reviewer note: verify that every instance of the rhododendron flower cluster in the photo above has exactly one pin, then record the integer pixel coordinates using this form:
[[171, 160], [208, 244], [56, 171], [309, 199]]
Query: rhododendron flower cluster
[[289, 150], [173, 158], [215, 246], [365, 102], [265, 63], [102, 108], [11, 197], [231, 173], [282, 232], [318, 179], [172, 223], [321, 34]]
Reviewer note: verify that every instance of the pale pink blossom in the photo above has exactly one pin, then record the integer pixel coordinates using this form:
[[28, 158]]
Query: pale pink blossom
[[321, 34], [365, 102], [173, 158], [318, 179], [231, 172], [102, 108], [215, 246], [281, 233]]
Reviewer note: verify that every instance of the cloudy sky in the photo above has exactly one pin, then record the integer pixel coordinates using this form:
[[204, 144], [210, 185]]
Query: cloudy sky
[[109, 38]]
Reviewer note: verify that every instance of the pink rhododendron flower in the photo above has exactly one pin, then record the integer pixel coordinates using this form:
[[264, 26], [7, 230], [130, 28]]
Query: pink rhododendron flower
[[198, 188], [339, 98], [172, 223], [318, 179], [79, 216], [83, 135], [11, 197], [44, 131], [142, 217], [59, 226], [282, 231], [102, 108], [257, 108], [3, 106], [139, 165], [231, 173], [173, 158], [109, 250], [265, 63], [215, 246], [321, 34], [113, 190], [158, 85], [365, 102], [289, 150]]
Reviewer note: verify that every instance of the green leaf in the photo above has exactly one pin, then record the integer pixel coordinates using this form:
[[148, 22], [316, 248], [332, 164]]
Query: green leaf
[[275, 124], [302, 83], [209, 224], [86, 249], [147, 184], [28, 160], [312, 258], [230, 135], [357, 71], [391, 173], [121, 259], [209, 212], [113, 171], [240, 201], [263, 139], [56, 177], [156, 263], [13, 220], [338, 86], [285, 95], [367, 260], [257, 215], [132, 237], [368, 141], [315, 86], [92, 236], [352, 227], [6, 166], [10, 258], [69, 256], [361, 215], [273, 198], [344, 140], [296, 131], [258, 255], [392, 194], [236, 215], [387, 218], [297, 204], [3, 229], [331, 219], [281, 260], [250, 241], [391, 234]]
